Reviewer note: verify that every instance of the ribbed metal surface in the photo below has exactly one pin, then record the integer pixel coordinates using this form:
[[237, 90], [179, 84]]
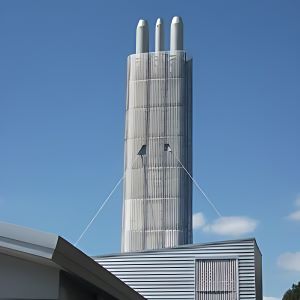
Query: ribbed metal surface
[[157, 191], [171, 273], [216, 279]]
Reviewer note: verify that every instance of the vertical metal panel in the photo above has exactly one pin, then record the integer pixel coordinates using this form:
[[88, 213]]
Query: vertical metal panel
[[157, 191], [216, 279], [171, 273], [258, 272]]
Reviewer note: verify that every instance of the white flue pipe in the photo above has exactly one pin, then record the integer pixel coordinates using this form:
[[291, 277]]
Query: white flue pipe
[[142, 37], [159, 35], [176, 39]]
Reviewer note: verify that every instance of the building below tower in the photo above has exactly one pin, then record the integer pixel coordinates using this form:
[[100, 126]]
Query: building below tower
[[228, 270]]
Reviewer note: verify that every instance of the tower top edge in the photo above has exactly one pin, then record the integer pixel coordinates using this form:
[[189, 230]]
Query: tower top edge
[[169, 53]]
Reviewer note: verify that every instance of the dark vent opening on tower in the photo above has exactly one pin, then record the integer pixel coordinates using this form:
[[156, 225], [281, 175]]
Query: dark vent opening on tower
[[143, 150], [167, 148]]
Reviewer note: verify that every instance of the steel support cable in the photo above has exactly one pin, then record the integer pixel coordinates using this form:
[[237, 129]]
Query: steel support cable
[[198, 186], [102, 205]]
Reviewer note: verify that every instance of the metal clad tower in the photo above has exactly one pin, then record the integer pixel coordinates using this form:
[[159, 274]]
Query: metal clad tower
[[157, 207]]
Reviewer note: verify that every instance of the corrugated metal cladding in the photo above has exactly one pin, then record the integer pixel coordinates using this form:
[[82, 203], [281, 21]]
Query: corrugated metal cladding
[[157, 208], [172, 273]]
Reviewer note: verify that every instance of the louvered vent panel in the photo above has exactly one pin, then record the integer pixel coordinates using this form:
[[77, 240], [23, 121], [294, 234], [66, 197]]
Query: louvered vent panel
[[216, 279]]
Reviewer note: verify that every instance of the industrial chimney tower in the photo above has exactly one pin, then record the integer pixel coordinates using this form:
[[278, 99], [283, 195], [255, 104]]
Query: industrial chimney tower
[[157, 207]]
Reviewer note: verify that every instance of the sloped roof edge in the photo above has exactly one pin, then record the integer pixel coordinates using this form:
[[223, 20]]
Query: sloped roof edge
[[16, 239], [27, 240]]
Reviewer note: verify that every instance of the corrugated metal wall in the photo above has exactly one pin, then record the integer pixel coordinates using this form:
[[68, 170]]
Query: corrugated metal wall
[[170, 273], [157, 211]]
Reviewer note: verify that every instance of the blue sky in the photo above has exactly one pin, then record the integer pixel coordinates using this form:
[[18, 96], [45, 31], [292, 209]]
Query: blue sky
[[62, 101]]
